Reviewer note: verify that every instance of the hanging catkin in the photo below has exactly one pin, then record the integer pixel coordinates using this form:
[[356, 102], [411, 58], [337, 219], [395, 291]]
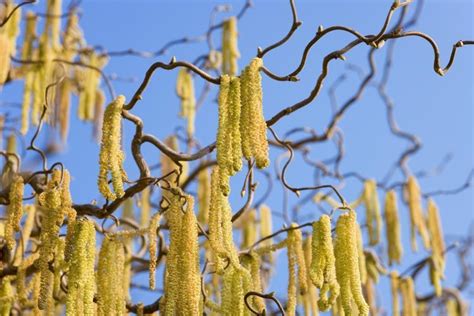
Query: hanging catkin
[[182, 284], [7, 295], [417, 221], [437, 261], [394, 289], [297, 274], [407, 290], [253, 127], [394, 242], [152, 247], [310, 298], [204, 195], [185, 91], [323, 268], [110, 292], [230, 51], [81, 278], [372, 207], [14, 210], [111, 155], [5, 51], [229, 154], [347, 266]]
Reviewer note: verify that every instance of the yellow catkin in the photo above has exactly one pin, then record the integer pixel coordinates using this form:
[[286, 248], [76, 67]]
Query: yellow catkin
[[310, 299], [298, 278], [249, 229], [14, 211], [230, 51], [53, 22], [20, 282], [435, 229], [81, 278], [253, 265], [232, 292], [394, 242], [407, 290], [90, 84], [27, 54], [182, 289], [145, 207], [28, 225], [168, 165], [7, 296], [347, 266], [63, 103], [292, 285], [229, 153], [417, 222], [204, 195], [394, 289], [152, 246], [5, 51], [453, 308], [110, 292], [371, 296], [361, 255], [111, 155], [323, 268], [435, 276], [12, 27], [253, 127], [373, 216], [185, 91]]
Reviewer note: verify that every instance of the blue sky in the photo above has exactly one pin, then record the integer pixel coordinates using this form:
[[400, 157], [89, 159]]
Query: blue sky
[[437, 109]]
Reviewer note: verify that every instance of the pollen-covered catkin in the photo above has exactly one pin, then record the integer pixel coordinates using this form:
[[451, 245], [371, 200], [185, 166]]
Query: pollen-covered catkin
[[252, 123], [310, 299], [417, 221], [204, 195], [81, 278], [297, 273], [152, 247], [111, 155], [182, 284], [435, 229], [347, 266], [185, 91], [394, 289], [407, 290], [373, 216], [7, 295], [5, 51], [14, 210], [110, 269], [323, 268], [394, 242], [230, 50]]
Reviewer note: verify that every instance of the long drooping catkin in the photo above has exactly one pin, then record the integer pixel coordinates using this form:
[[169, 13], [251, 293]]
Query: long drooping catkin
[[230, 51], [7, 295], [394, 242], [204, 196], [110, 292], [310, 299], [347, 266], [152, 247], [437, 261], [81, 278], [373, 216], [297, 274], [361, 255], [407, 290], [14, 210], [323, 268], [417, 221], [90, 84], [253, 127], [185, 91], [5, 51], [111, 155], [182, 265], [394, 289]]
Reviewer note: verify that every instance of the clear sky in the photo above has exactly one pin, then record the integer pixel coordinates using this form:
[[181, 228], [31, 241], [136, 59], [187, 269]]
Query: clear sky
[[439, 110]]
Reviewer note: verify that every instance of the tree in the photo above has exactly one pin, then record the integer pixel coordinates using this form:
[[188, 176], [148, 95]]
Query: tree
[[179, 218]]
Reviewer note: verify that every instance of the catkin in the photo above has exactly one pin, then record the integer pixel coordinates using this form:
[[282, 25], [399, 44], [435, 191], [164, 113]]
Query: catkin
[[297, 273], [145, 207], [7, 296], [361, 255], [230, 51], [394, 242], [407, 290], [394, 289], [111, 155], [347, 267], [310, 299], [110, 292], [373, 216], [253, 128], [229, 153], [185, 91], [81, 278], [14, 210], [5, 51], [53, 22], [182, 265], [435, 229], [152, 247], [204, 195], [323, 269], [417, 222]]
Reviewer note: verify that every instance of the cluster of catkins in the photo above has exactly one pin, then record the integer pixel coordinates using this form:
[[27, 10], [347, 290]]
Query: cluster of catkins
[[46, 63]]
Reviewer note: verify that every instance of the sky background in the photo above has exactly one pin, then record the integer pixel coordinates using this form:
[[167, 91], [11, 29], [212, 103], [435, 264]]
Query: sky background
[[439, 110]]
